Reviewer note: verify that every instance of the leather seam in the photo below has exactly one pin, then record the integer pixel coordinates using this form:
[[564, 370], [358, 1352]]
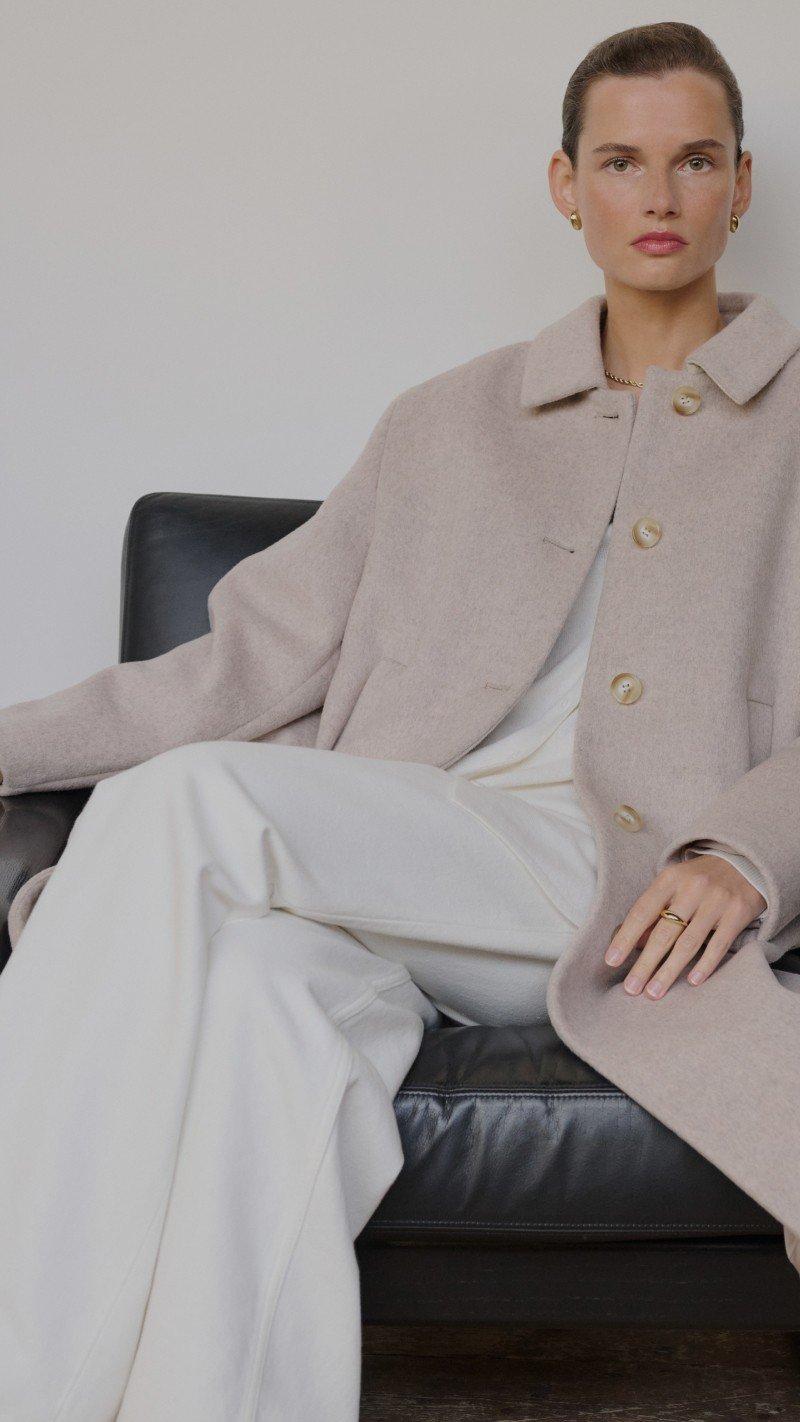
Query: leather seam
[[500, 1227]]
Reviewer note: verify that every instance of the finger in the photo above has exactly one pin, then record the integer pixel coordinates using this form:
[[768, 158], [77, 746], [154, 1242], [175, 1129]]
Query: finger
[[631, 933], [650, 958], [644, 912], [715, 950], [712, 929], [661, 942], [683, 951]]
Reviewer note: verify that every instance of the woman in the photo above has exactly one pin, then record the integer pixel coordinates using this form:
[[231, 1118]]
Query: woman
[[215, 995]]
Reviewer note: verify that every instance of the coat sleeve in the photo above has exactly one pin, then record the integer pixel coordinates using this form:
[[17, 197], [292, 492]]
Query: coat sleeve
[[277, 619], [758, 816]]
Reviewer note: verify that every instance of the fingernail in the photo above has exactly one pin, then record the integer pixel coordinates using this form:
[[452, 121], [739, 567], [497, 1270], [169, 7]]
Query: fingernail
[[614, 955], [655, 989], [695, 975], [632, 984]]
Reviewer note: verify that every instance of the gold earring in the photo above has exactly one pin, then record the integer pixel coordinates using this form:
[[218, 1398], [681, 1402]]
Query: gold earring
[[575, 219], [734, 223]]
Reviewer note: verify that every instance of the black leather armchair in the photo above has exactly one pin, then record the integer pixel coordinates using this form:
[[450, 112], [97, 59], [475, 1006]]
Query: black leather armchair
[[533, 1190]]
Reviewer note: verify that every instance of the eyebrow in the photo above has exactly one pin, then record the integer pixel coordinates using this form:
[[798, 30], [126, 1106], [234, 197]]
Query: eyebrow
[[684, 148]]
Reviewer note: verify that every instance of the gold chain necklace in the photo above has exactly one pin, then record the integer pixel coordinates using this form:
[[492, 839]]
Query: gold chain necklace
[[622, 379], [640, 383]]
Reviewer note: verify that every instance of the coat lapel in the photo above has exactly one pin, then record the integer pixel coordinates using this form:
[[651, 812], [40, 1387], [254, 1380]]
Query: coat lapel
[[566, 357]]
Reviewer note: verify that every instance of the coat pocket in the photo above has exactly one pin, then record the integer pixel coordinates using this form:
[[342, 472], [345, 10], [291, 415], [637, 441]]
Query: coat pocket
[[376, 704], [759, 726]]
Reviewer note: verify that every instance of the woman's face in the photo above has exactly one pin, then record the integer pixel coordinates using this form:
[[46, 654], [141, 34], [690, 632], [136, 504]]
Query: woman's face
[[642, 166]]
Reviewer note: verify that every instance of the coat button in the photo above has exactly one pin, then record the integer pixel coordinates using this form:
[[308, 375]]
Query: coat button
[[646, 532], [626, 688], [686, 400], [627, 818]]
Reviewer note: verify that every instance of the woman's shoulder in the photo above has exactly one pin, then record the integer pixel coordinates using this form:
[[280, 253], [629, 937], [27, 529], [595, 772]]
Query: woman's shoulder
[[493, 374]]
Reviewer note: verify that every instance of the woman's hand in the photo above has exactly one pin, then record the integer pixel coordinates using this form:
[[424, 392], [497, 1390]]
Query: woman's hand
[[713, 897]]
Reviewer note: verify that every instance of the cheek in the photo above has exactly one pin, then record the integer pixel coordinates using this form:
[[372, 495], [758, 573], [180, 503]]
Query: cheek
[[708, 210], [612, 207], [611, 220]]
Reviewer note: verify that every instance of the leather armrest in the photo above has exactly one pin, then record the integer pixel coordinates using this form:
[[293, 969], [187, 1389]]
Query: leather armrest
[[790, 962], [34, 829]]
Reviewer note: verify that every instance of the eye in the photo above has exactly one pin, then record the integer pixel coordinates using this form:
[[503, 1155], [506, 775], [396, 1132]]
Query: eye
[[693, 157]]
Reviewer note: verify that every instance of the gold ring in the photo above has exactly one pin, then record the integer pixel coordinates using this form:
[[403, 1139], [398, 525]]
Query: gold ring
[[674, 917]]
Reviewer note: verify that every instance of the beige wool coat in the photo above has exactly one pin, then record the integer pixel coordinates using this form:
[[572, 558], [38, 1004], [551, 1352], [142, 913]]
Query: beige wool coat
[[405, 618]]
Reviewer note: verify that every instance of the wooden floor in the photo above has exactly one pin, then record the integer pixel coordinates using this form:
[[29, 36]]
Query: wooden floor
[[483, 1374]]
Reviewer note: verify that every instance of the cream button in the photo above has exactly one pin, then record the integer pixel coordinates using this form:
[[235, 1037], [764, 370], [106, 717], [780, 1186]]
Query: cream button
[[626, 688], [627, 818], [646, 532], [686, 400]]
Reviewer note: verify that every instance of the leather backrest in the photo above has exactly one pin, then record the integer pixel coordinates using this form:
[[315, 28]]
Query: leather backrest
[[176, 547]]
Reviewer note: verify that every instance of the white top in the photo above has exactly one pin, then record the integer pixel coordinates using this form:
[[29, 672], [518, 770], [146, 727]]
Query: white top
[[529, 753]]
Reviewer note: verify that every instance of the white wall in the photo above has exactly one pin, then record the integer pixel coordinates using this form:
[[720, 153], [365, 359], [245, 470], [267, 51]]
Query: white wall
[[232, 232]]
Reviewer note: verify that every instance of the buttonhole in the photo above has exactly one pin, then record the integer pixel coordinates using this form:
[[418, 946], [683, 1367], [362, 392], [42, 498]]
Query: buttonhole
[[498, 685], [546, 539]]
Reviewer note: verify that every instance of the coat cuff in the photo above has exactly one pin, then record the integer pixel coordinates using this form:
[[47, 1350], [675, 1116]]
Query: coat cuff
[[757, 817]]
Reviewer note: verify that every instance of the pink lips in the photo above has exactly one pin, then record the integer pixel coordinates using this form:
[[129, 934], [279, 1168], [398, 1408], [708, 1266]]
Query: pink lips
[[658, 244]]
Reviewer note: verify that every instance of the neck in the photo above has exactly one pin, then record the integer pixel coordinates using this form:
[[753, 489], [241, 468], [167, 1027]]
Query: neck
[[661, 328]]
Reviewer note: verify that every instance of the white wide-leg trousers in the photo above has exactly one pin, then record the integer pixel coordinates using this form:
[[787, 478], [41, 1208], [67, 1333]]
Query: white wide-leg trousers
[[202, 1029]]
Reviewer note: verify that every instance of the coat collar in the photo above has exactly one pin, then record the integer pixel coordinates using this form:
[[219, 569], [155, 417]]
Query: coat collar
[[566, 358]]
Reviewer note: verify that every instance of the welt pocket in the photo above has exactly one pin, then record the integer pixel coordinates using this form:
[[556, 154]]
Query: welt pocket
[[383, 672], [759, 726], [375, 701]]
